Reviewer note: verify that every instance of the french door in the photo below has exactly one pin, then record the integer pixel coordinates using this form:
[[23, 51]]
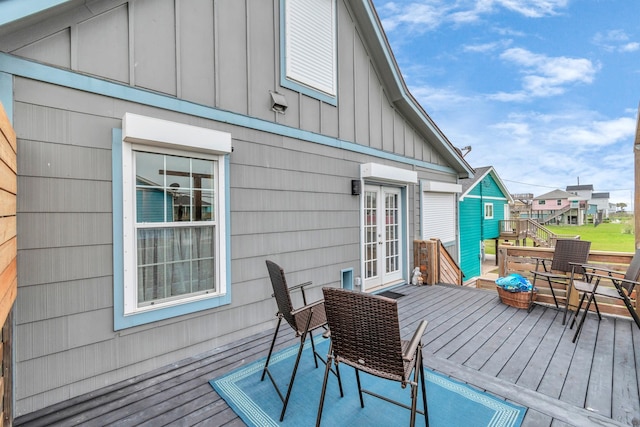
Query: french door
[[382, 236]]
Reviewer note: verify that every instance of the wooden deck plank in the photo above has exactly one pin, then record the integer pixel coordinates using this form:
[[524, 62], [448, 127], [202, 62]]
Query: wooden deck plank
[[624, 374], [536, 368], [527, 358], [600, 389], [521, 358]]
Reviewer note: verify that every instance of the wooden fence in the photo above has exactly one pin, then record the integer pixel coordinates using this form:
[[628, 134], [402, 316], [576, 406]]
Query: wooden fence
[[8, 258], [436, 263], [521, 260]]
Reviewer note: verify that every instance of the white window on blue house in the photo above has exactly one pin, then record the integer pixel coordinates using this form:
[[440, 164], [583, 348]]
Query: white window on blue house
[[488, 211], [174, 233], [309, 47]]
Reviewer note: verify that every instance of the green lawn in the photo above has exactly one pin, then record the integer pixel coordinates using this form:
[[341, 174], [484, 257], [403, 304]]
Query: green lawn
[[613, 236]]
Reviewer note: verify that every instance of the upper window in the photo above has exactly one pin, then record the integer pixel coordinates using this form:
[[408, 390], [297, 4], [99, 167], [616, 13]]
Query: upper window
[[309, 54], [173, 220], [488, 211]]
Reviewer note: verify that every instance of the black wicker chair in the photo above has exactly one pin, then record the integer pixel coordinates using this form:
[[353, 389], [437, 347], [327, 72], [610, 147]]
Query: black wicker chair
[[365, 334], [567, 253], [592, 287], [303, 320]]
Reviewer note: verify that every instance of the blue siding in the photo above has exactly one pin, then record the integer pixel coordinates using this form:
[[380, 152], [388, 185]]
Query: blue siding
[[470, 211], [474, 228]]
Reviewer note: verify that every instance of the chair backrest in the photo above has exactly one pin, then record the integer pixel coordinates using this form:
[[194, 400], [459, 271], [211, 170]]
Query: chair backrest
[[365, 331], [569, 251], [633, 272], [281, 292]]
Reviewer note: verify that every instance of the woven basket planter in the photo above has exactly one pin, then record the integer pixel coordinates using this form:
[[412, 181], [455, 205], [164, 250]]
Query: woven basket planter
[[515, 299]]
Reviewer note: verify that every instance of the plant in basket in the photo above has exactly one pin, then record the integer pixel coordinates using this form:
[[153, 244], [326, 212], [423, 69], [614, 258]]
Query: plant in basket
[[515, 290]]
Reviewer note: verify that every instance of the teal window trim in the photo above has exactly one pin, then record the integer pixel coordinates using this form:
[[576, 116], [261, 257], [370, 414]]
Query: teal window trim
[[120, 321], [292, 84]]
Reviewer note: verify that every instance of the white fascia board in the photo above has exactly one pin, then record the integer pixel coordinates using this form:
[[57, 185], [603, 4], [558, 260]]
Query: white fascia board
[[158, 132], [387, 173], [441, 187]]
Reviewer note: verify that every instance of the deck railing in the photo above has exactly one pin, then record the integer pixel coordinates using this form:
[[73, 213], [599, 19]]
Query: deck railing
[[525, 228], [436, 263], [521, 260]]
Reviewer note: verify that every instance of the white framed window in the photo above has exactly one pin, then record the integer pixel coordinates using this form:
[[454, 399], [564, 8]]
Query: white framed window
[[488, 211], [173, 223], [309, 48], [174, 228]]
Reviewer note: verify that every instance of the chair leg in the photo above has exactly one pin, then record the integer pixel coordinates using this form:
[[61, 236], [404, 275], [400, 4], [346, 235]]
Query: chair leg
[[632, 310], [424, 388], [577, 313], [339, 380], [293, 376], [359, 388], [414, 387], [584, 316], [324, 386], [273, 342], [553, 294], [313, 348]]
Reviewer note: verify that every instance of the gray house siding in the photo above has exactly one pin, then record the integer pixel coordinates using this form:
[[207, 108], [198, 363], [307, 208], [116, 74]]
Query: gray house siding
[[210, 64]]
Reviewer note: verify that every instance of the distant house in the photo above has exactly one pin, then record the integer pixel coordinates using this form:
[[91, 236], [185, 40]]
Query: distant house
[[166, 149], [600, 206], [559, 207], [483, 203]]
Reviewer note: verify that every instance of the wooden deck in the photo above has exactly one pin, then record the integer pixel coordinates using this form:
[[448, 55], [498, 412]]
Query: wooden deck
[[526, 358]]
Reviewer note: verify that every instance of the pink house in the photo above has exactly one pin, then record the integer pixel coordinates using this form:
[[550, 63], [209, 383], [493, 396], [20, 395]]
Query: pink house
[[559, 207]]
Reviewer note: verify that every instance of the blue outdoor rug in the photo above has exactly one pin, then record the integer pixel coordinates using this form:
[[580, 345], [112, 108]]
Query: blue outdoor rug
[[450, 403]]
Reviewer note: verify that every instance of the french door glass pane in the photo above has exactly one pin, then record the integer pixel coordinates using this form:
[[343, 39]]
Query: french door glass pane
[[370, 235], [392, 256]]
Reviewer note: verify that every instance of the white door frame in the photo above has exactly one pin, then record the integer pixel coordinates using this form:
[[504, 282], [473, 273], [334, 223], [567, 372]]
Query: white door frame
[[396, 180], [384, 237]]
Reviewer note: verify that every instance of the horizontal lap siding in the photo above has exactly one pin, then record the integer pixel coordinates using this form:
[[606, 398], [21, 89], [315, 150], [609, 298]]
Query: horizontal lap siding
[[304, 213], [290, 200]]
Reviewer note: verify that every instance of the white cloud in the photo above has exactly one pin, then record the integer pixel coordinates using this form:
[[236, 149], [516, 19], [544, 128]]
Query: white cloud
[[428, 15], [596, 134], [630, 47], [546, 76], [615, 41], [534, 8], [487, 47]]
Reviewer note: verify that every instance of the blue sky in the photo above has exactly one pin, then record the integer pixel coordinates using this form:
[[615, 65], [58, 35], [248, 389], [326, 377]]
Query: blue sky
[[545, 91]]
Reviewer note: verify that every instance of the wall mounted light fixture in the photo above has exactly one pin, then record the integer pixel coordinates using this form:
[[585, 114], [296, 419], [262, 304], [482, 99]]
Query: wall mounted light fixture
[[355, 187], [278, 102]]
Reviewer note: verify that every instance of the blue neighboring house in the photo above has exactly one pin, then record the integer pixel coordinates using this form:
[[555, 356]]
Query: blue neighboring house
[[483, 203]]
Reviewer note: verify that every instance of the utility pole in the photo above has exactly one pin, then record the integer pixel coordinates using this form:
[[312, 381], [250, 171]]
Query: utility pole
[[636, 199]]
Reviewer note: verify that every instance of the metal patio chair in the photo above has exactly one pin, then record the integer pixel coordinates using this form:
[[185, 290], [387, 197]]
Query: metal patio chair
[[365, 334], [567, 253], [304, 321], [592, 287]]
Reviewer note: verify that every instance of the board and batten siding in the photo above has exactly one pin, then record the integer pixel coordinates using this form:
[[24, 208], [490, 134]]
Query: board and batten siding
[[290, 196], [222, 54]]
